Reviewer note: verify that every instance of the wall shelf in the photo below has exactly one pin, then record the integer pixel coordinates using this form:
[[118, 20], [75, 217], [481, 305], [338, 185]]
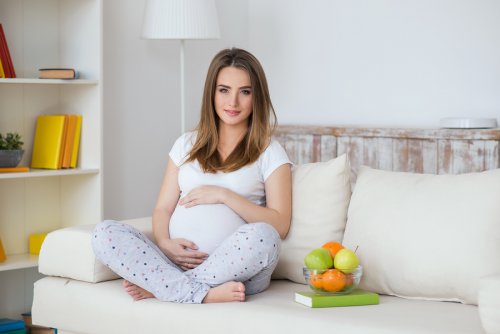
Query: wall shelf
[[35, 81], [19, 261], [45, 173]]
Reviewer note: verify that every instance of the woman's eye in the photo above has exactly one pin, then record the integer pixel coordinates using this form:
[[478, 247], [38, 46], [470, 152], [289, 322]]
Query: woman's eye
[[223, 90], [246, 92]]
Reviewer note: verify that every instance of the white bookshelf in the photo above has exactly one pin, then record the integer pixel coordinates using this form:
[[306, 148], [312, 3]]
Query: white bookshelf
[[47, 34]]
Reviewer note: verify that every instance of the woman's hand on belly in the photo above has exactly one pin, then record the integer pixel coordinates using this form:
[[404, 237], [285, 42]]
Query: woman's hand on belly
[[203, 195], [183, 252]]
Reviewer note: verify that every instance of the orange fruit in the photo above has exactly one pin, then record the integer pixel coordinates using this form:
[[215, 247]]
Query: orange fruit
[[316, 281], [333, 247], [333, 280], [349, 280]]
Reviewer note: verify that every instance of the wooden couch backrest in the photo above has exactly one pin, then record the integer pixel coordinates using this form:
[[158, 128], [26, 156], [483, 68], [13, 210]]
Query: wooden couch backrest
[[431, 151]]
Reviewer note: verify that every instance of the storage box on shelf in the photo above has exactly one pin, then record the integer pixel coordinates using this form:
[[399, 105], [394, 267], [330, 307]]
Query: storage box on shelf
[[41, 34]]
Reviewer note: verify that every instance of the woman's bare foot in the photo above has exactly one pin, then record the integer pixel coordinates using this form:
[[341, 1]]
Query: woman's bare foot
[[135, 291], [227, 292]]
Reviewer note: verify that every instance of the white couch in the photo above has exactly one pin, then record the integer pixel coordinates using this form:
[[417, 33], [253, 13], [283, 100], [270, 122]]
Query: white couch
[[429, 245]]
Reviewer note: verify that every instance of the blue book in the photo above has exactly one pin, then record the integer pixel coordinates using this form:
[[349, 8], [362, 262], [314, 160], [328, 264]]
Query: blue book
[[7, 325]]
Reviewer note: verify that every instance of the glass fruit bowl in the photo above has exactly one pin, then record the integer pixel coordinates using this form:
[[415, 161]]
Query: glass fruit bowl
[[332, 281]]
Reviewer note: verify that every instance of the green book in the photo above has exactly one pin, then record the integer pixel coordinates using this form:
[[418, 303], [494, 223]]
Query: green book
[[354, 298]]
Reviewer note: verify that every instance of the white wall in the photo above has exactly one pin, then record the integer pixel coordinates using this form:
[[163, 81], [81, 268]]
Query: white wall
[[142, 99], [362, 62], [373, 62]]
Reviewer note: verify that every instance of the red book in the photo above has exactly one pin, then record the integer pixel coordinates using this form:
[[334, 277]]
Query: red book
[[7, 64]]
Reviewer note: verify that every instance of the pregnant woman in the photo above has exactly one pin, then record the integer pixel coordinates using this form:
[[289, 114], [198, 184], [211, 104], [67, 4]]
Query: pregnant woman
[[224, 204]]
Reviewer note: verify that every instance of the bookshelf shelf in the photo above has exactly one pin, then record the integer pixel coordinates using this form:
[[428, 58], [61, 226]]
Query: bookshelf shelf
[[45, 173], [19, 261], [34, 81], [48, 34]]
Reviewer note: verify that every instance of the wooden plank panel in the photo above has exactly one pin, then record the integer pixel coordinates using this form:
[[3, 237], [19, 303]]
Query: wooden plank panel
[[491, 154], [298, 146], [461, 156], [414, 155], [328, 147], [353, 147], [378, 153]]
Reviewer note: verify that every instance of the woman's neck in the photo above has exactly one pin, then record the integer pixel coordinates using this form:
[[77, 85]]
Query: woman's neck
[[229, 137]]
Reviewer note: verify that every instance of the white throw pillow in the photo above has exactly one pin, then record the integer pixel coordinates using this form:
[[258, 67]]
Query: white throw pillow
[[321, 193], [67, 252], [425, 236], [489, 303]]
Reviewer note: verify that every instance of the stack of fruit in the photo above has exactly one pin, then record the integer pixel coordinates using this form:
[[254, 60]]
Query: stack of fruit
[[332, 268]]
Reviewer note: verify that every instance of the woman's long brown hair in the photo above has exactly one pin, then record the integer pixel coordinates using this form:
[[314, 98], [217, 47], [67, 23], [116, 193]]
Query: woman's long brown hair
[[261, 123]]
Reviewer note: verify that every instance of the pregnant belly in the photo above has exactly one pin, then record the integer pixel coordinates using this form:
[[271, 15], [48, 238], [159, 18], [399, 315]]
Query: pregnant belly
[[205, 225]]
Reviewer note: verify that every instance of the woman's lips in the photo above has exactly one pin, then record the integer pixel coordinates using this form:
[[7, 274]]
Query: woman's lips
[[232, 112]]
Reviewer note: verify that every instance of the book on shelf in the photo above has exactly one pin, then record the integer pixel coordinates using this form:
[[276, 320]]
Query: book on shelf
[[19, 169], [57, 73], [7, 65], [2, 73], [356, 297], [56, 142], [3, 257], [76, 142], [49, 135], [11, 325], [69, 140]]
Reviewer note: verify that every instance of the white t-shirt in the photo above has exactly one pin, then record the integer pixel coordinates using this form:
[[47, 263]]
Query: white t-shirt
[[207, 225]]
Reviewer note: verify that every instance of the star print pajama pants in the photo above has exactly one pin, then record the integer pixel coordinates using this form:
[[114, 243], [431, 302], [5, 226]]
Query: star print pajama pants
[[249, 255]]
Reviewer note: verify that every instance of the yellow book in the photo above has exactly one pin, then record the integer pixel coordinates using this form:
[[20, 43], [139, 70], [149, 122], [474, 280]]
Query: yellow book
[[2, 73], [3, 257], [47, 145], [69, 141], [76, 141], [35, 242]]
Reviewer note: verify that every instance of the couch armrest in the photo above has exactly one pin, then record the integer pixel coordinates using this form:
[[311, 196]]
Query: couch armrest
[[68, 253], [489, 303]]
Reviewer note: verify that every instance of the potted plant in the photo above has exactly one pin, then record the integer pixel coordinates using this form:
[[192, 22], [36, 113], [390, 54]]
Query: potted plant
[[11, 150]]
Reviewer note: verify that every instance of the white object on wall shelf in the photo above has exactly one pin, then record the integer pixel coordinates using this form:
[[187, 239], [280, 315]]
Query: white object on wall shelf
[[19, 261], [467, 123], [48, 81], [45, 172]]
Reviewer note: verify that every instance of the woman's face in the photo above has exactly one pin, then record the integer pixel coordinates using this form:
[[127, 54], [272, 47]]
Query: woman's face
[[233, 97]]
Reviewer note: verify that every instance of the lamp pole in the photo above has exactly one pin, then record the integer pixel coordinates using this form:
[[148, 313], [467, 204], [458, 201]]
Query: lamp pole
[[183, 106]]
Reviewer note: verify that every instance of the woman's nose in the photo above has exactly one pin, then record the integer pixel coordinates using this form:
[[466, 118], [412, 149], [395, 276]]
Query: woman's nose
[[233, 100]]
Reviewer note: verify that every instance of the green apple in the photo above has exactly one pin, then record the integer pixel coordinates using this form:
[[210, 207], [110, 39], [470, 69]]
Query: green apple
[[319, 259], [346, 261]]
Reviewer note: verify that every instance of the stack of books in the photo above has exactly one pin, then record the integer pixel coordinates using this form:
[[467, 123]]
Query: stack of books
[[57, 141], [356, 297], [12, 326]]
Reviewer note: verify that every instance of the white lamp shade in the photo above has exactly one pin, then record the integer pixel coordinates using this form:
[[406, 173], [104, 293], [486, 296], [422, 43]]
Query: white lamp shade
[[180, 19]]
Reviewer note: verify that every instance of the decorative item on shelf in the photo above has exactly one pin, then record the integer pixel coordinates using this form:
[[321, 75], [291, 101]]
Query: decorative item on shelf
[[11, 150], [3, 257], [181, 19], [467, 123], [7, 65], [35, 242], [57, 140], [58, 73]]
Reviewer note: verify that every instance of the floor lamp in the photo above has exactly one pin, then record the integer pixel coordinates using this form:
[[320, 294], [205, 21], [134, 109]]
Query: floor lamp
[[181, 19]]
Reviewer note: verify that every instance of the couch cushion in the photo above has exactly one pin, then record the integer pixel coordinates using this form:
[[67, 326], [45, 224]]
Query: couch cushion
[[321, 193], [68, 252], [425, 236], [489, 303], [105, 308]]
